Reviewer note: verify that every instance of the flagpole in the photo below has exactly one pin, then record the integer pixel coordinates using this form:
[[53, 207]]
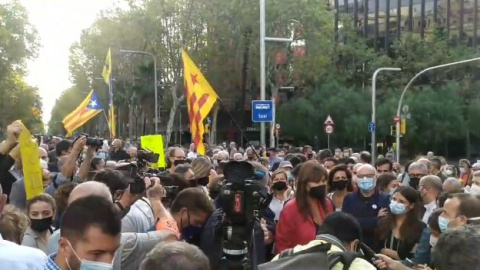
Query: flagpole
[[108, 123]]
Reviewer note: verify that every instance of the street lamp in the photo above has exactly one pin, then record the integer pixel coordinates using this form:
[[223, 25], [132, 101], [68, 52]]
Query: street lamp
[[408, 85], [374, 95], [155, 78], [262, 63]]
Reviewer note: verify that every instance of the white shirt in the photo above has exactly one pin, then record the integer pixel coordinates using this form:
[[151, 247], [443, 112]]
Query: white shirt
[[140, 218], [14, 256], [276, 206], [429, 210]]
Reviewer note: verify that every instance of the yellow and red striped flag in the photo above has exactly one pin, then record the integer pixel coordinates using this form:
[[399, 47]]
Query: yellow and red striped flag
[[89, 107], [200, 98]]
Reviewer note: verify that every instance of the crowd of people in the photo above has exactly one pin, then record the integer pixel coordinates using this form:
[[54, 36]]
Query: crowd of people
[[102, 210]]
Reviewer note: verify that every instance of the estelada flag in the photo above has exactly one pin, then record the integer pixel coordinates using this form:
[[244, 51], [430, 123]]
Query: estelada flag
[[89, 107], [200, 98]]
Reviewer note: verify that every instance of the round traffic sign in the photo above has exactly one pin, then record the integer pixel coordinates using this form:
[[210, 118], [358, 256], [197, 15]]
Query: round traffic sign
[[329, 129], [277, 126], [396, 118]]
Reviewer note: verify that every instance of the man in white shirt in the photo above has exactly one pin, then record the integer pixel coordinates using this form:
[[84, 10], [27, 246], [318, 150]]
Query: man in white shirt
[[429, 187], [14, 256]]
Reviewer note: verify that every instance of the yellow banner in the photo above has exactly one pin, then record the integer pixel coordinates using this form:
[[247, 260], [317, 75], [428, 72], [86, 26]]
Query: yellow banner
[[32, 171], [154, 143]]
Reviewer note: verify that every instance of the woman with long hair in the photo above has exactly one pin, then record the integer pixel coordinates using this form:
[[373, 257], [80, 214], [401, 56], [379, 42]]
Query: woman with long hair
[[281, 192], [339, 185], [302, 215], [399, 231]]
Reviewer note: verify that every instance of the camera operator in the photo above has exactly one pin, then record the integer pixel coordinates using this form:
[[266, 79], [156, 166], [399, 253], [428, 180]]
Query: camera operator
[[211, 244], [69, 167]]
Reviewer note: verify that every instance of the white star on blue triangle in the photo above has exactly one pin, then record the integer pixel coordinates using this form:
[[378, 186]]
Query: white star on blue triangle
[[94, 103]]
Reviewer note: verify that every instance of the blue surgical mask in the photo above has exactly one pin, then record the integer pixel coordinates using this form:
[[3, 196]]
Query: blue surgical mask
[[397, 208], [443, 224], [365, 184], [290, 177], [90, 265]]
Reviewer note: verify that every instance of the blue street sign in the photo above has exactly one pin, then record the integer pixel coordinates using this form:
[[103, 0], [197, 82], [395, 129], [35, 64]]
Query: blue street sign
[[262, 111], [371, 127]]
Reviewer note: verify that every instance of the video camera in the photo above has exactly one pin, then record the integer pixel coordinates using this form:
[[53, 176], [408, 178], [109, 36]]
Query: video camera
[[145, 156], [244, 199]]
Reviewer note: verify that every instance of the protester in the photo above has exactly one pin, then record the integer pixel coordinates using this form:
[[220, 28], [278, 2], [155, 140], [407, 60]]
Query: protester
[[384, 165], [117, 152], [12, 254], [452, 185], [367, 204], [281, 192], [466, 173], [175, 255], [400, 230], [435, 169], [41, 210], [307, 210], [459, 210], [330, 162], [387, 183], [416, 170], [429, 187], [175, 157], [339, 184], [13, 224]]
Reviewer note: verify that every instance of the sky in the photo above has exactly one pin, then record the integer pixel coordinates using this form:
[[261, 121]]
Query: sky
[[59, 24]]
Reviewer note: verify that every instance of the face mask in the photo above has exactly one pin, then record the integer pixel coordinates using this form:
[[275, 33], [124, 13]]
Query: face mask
[[443, 224], [433, 240], [346, 154], [392, 191], [463, 170], [475, 189], [366, 184], [414, 182], [203, 181], [398, 208], [448, 172], [41, 225], [90, 265], [279, 186], [317, 192], [340, 185], [178, 162]]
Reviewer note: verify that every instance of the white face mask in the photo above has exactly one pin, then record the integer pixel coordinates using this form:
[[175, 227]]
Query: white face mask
[[433, 240], [475, 189], [448, 172], [89, 265], [462, 170]]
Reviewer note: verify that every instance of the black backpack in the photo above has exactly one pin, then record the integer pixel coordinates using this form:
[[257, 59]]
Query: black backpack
[[314, 258]]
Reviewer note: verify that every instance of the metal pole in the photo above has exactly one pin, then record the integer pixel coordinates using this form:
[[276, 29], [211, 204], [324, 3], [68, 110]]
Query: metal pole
[[374, 105], [262, 65], [328, 141], [272, 125], [155, 79], [411, 81]]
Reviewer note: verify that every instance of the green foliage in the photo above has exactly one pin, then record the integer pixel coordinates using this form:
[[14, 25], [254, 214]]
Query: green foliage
[[18, 44]]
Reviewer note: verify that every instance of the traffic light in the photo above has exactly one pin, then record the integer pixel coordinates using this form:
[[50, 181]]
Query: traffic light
[[403, 127], [393, 130]]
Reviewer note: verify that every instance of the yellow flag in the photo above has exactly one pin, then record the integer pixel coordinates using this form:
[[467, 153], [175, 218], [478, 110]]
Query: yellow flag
[[200, 98], [154, 143], [107, 68], [32, 171]]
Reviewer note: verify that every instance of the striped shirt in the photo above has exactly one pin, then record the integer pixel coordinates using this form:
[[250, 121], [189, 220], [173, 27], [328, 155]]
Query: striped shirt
[[51, 264]]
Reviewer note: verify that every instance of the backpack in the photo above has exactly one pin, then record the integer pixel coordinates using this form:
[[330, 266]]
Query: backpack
[[314, 258]]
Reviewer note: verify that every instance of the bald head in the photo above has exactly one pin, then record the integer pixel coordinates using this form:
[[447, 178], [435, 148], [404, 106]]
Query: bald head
[[425, 162], [432, 182], [42, 152], [452, 185], [90, 188], [366, 169]]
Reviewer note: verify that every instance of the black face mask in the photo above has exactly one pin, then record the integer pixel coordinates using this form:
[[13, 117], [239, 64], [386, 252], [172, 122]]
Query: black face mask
[[318, 192], [203, 181], [279, 186], [193, 183], [340, 185], [41, 225], [179, 162], [414, 181]]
